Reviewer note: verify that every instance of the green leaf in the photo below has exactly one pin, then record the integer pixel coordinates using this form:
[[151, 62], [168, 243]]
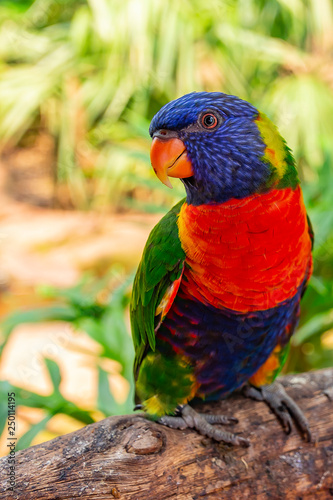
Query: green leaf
[[105, 400], [317, 325], [35, 429], [56, 312], [3, 415], [75, 412], [54, 373]]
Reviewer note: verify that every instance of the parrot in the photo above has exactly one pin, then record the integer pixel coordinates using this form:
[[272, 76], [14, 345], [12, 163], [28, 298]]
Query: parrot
[[216, 296]]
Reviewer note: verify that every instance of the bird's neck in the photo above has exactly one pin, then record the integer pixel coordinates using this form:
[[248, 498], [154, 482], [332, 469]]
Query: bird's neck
[[249, 254], [262, 165]]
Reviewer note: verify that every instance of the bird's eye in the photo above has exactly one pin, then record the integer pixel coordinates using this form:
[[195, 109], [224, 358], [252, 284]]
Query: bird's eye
[[208, 120]]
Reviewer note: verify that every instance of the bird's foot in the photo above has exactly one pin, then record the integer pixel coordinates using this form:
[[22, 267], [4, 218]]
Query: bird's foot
[[329, 393], [203, 423], [282, 405]]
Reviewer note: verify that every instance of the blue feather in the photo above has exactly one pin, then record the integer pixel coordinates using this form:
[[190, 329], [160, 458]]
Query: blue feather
[[227, 162], [225, 347]]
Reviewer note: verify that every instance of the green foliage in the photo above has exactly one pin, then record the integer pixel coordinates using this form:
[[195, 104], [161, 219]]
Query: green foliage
[[93, 73], [104, 322]]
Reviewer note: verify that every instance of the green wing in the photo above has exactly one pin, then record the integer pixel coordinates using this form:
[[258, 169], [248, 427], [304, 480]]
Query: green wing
[[161, 264], [311, 232]]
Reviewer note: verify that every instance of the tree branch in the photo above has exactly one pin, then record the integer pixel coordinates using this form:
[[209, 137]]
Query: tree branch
[[129, 457]]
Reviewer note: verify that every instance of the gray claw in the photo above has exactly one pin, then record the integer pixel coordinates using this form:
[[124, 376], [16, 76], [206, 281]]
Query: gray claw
[[203, 423], [173, 422], [282, 405], [219, 419]]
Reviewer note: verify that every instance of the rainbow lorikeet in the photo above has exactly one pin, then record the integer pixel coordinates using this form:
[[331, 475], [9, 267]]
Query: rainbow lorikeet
[[216, 297]]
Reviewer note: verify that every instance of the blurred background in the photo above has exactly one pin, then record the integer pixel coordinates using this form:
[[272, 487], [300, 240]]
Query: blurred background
[[79, 83]]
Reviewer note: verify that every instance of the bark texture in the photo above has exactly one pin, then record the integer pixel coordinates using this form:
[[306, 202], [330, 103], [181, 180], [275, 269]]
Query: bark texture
[[129, 457]]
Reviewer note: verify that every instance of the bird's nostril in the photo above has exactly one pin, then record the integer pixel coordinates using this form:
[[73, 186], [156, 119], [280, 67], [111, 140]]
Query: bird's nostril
[[165, 134]]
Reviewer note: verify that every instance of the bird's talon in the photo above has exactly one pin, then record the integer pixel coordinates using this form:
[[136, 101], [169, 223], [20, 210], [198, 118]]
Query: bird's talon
[[244, 443], [204, 424], [219, 419], [233, 420], [282, 405]]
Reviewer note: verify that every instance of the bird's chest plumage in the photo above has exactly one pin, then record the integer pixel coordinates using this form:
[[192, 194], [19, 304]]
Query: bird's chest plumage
[[246, 255], [246, 265]]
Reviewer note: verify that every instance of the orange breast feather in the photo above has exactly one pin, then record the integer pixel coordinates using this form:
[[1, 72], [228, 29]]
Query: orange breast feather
[[246, 255]]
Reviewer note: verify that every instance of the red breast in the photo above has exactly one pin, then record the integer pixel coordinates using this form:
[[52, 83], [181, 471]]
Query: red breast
[[246, 255]]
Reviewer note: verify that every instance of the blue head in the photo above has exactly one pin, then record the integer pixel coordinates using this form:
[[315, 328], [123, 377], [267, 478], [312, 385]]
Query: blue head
[[224, 145]]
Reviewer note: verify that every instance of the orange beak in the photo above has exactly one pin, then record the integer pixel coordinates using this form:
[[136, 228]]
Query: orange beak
[[169, 159]]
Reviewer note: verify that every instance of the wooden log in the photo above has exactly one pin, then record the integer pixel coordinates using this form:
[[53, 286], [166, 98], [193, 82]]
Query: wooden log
[[129, 457]]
